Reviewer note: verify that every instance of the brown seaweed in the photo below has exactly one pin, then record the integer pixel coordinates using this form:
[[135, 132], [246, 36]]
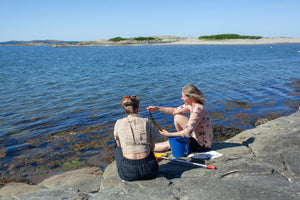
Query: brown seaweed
[[155, 124]]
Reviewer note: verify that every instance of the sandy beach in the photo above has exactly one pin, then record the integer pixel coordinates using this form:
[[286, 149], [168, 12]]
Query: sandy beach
[[167, 40], [266, 40], [172, 40]]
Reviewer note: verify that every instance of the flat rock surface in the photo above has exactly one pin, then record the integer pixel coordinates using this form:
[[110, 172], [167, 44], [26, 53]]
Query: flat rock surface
[[260, 163]]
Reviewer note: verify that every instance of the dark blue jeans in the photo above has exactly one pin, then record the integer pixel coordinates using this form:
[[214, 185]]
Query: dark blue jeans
[[132, 170]]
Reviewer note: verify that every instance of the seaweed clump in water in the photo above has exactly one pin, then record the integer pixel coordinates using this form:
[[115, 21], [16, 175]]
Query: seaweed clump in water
[[61, 151]]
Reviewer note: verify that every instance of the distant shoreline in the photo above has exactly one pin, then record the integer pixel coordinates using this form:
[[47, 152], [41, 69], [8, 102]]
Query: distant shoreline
[[165, 40], [275, 40]]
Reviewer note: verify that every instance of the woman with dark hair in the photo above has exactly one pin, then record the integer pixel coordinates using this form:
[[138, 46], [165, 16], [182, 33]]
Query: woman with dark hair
[[197, 127], [135, 138]]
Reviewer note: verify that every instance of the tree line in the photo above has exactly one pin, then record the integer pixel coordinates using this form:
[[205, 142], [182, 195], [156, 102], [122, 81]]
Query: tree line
[[229, 36], [117, 39], [206, 37]]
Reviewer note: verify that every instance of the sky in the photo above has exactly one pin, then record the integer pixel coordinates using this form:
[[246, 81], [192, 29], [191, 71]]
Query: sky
[[89, 20]]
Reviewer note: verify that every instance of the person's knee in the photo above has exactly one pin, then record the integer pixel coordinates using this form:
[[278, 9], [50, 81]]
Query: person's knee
[[180, 122], [178, 118]]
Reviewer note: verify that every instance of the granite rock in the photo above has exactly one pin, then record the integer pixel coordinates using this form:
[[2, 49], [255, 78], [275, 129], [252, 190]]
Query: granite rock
[[260, 163]]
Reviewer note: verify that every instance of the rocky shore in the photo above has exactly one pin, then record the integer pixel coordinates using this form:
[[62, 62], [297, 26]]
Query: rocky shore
[[167, 40], [259, 163]]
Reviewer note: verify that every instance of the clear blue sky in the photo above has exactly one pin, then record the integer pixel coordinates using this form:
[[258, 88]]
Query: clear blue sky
[[82, 20]]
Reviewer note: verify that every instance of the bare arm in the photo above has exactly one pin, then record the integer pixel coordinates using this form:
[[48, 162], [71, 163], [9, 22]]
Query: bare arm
[[166, 110], [118, 142], [194, 119]]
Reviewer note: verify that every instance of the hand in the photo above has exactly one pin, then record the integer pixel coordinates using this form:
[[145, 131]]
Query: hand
[[152, 108], [164, 133]]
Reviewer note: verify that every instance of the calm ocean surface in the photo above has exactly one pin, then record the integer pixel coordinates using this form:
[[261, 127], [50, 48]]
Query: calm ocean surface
[[48, 92]]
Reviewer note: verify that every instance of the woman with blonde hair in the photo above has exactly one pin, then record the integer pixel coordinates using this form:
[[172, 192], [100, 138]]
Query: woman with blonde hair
[[197, 127], [135, 138]]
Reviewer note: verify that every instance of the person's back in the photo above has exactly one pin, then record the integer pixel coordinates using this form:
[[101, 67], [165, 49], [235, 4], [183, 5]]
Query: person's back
[[135, 138], [135, 135]]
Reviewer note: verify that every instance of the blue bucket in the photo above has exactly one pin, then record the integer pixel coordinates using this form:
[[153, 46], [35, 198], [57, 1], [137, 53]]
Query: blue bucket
[[179, 146]]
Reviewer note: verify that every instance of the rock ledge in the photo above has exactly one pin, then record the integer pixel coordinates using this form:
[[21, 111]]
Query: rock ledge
[[260, 163]]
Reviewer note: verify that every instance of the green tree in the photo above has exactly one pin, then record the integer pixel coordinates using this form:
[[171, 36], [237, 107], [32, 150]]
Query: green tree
[[117, 39], [228, 36]]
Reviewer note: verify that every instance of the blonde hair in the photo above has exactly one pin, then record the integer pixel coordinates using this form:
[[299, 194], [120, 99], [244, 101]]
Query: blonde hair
[[195, 93], [130, 104]]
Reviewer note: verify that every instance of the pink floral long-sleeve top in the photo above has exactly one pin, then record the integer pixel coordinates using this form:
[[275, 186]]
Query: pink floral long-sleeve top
[[199, 124]]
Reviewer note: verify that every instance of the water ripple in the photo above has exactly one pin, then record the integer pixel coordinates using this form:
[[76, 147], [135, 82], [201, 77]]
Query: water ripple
[[47, 90]]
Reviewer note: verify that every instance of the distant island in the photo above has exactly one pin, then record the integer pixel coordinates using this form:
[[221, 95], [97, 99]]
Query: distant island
[[220, 39], [228, 37]]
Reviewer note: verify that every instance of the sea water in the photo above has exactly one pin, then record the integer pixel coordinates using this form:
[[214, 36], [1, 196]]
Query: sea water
[[46, 91]]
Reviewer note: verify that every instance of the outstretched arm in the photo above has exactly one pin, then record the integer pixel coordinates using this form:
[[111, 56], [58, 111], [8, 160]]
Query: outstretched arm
[[166, 110]]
